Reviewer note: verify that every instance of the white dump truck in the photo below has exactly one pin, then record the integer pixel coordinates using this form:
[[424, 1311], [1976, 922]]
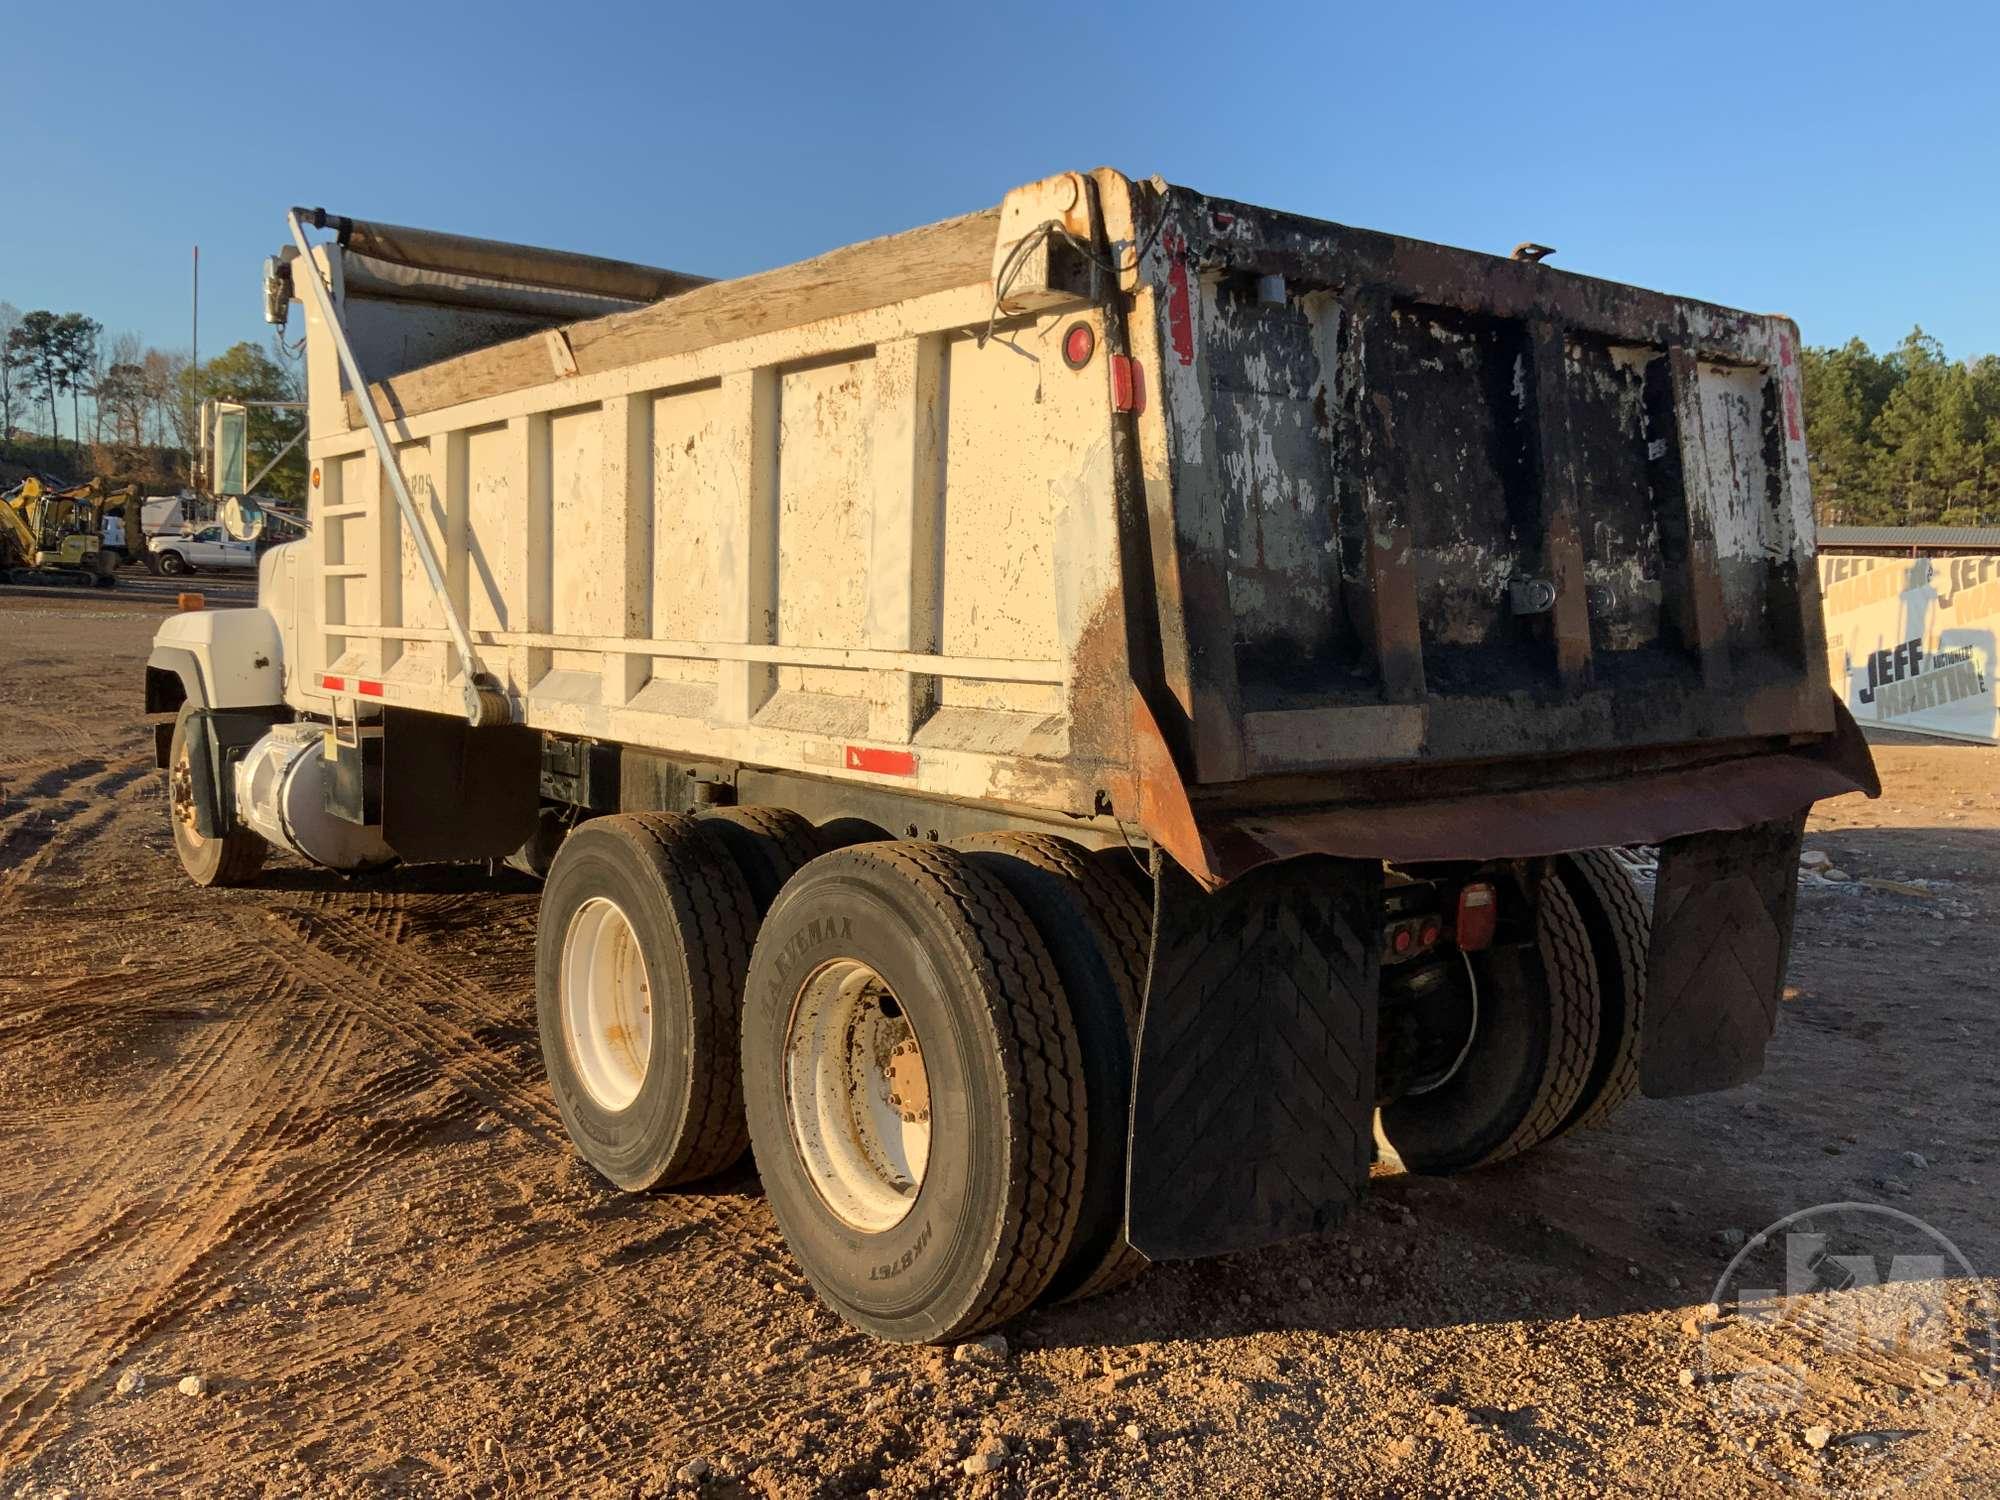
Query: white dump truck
[[1070, 732]]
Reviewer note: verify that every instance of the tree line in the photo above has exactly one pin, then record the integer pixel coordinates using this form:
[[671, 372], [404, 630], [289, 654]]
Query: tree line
[[134, 411], [1905, 438]]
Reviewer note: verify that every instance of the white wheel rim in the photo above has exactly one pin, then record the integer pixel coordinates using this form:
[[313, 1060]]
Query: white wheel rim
[[607, 1003], [857, 1096]]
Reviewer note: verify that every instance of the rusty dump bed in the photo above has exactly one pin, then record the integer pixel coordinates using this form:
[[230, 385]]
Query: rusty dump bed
[[1432, 506]]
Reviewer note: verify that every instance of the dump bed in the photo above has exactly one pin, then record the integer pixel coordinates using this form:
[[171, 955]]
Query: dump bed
[[1118, 503]]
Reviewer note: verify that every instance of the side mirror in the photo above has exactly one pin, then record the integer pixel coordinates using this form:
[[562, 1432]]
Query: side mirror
[[242, 519]]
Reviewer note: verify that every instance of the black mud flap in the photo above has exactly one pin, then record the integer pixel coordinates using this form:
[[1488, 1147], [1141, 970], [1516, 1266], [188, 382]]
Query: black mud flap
[[452, 792], [1254, 1094], [1722, 932]]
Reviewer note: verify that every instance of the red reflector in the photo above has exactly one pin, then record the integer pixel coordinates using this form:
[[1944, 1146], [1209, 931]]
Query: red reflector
[[1128, 383], [367, 688], [1401, 941], [882, 762], [1431, 931], [334, 684], [1078, 345], [1478, 915]]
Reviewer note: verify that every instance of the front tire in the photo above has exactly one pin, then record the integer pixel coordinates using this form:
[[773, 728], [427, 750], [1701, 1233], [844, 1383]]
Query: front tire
[[914, 1091], [231, 858], [172, 564], [640, 950]]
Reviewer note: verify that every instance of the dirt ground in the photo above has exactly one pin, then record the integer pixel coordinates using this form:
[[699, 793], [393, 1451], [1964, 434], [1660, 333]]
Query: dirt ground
[[295, 1141]]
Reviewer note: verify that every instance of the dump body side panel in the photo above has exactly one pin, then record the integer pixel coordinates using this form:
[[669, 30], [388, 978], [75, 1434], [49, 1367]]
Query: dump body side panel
[[861, 545]]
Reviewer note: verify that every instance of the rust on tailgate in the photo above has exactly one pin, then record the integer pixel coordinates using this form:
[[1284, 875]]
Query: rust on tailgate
[[1217, 845]]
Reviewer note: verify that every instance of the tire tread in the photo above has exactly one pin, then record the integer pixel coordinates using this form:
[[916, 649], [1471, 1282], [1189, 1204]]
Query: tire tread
[[1630, 924], [780, 841], [1573, 1008], [1040, 1064], [1121, 928]]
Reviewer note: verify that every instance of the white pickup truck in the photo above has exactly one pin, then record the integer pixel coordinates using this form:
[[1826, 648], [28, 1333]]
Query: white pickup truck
[[209, 548]]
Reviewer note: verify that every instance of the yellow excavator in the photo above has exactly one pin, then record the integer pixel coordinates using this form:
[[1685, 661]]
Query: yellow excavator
[[51, 536]]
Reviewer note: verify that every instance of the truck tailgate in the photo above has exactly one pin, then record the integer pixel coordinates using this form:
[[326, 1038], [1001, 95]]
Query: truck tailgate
[[1431, 504]]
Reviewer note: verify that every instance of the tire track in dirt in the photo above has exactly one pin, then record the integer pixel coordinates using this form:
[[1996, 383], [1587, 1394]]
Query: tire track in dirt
[[67, 824], [244, 1226], [230, 1202], [182, 1094], [359, 951], [510, 1291], [187, 1094], [720, 1228], [69, 738], [388, 990]]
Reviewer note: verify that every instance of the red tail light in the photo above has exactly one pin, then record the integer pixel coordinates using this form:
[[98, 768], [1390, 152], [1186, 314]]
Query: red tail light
[[1478, 915]]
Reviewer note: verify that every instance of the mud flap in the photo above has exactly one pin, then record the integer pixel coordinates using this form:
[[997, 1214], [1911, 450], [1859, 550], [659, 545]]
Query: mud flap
[[452, 792], [1254, 1094], [1722, 932]]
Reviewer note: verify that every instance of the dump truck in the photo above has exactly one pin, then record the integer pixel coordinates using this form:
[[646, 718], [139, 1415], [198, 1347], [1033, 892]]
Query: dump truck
[[1069, 734]]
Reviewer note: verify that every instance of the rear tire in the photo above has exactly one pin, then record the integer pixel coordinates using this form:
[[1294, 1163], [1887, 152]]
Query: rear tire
[[768, 844], [640, 951], [929, 1181], [1620, 927], [844, 833], [1532, 1049], [232, 858], [1130, 866], [1096, 930]]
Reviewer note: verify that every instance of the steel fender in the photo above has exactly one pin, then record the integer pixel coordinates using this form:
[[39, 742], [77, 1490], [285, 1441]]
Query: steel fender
[[225, 658], [1254, 1094]]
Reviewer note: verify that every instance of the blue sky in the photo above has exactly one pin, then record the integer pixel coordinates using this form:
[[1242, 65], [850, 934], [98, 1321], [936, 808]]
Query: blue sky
[[1837, 162]]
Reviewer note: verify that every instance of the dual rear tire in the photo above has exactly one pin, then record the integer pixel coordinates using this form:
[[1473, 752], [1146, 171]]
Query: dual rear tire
[[1554, 1044], [640, 954], [936, 1045], [915, 1091], [939, 1148]]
